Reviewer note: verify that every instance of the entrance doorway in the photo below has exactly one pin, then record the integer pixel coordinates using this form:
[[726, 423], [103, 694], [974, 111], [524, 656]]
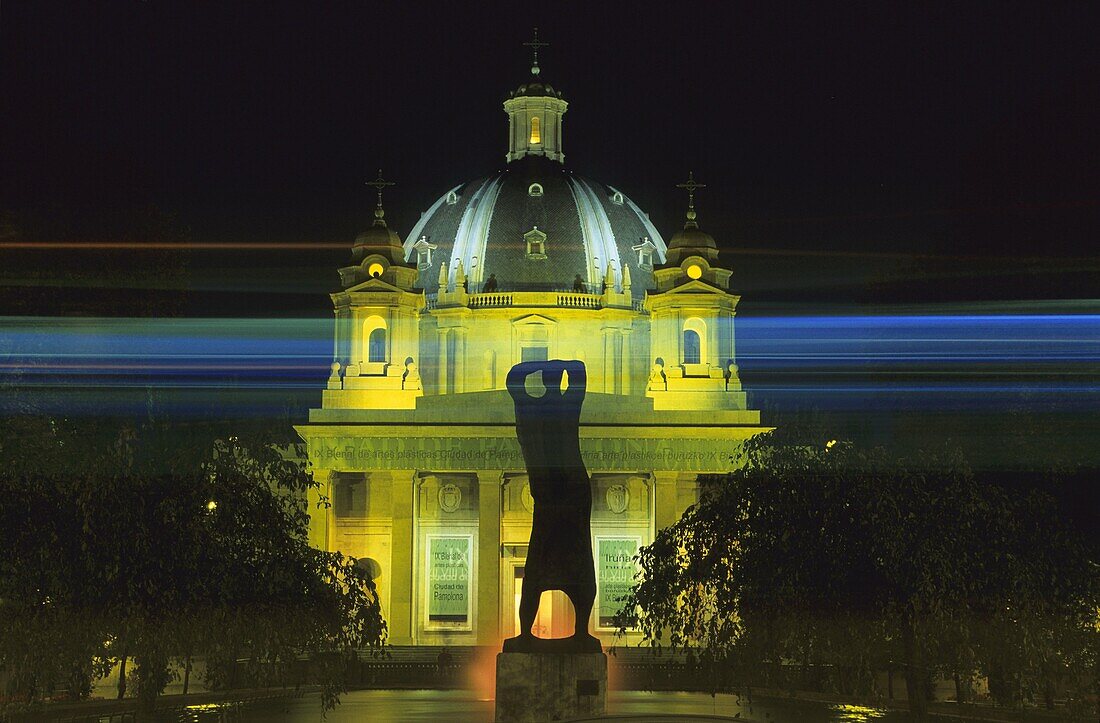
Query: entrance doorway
[[555, 617]]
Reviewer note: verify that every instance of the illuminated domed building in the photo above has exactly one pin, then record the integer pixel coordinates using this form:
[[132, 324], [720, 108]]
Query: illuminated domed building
[[414, 442]]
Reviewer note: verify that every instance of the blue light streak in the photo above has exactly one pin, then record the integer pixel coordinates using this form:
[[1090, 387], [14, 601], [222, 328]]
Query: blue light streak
[[950, 361]]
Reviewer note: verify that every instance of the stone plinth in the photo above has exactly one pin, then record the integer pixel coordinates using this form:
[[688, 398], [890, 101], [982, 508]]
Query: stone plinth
[[550, 686]]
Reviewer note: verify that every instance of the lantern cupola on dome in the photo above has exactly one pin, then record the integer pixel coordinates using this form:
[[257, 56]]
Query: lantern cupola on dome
[[534, 113]]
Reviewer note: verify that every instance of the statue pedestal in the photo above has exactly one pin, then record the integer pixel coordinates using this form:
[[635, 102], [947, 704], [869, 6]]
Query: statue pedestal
[[550, 686]]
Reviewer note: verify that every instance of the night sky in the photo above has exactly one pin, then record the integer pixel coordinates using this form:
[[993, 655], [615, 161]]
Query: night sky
[[860, 153]]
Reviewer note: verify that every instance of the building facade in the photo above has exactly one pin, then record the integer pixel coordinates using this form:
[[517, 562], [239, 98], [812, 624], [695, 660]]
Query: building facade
[[414, 442]]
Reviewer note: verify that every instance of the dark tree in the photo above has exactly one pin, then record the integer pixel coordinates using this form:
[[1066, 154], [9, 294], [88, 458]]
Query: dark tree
[[146, 548], [825, 554]]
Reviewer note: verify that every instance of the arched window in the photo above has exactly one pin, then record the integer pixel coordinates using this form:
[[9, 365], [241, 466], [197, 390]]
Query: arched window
[[374, 339], [376, 346], [534, 190], [695, 335], [536, 135], [691, 346]]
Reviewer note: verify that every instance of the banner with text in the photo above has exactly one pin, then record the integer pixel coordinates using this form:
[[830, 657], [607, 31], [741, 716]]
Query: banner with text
[[615, 570], [368, 452], [449, 580]]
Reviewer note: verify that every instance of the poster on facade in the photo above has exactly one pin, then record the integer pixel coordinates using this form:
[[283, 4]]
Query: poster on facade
[[449, 580], [615, 570]]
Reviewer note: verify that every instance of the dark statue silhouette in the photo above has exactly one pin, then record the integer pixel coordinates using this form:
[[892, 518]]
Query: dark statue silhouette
[[559, 555]]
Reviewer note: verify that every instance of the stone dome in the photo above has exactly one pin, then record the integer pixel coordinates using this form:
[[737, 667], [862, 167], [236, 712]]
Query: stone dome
[[536, 227], [535, 88], [379, 236], [692, 237]]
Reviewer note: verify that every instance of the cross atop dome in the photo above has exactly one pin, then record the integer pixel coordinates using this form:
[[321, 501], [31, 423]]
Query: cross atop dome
[[379, 184], [534, 45], [691, 186]]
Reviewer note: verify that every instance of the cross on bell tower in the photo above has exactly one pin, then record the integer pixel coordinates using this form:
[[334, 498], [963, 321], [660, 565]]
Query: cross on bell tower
[[534, 45], [691, 186], [379, 184]]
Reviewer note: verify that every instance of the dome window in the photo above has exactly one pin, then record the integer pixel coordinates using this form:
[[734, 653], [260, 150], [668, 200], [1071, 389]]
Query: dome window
[[617, 198], [452, 198], [534, 190], [645, 251], [536, 243], [424, 250], [375, 270], [536, 134]]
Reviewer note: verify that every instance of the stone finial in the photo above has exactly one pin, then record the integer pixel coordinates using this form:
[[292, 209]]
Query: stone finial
[[609, 277], [443, 276], [626, 279], [334, 376]]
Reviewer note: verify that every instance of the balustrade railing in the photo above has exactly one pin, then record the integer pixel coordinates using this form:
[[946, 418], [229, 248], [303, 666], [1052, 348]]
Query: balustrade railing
[[578, 301], [502, 299], [490, 300]]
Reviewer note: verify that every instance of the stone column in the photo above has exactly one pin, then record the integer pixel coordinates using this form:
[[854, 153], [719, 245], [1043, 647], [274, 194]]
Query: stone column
[[666, 510], [444, 334], [626, 357], [609, 361], [460, 359], [321, 519], [732, 350], [401, 617], [488, 557], [714, 353]]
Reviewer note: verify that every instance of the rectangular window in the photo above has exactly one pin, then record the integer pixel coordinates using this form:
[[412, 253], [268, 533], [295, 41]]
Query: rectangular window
[[536, 243], [533, 353]]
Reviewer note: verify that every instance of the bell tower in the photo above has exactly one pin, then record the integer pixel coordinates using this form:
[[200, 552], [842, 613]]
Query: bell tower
[[534, 115], [377, 341], [691, 316]]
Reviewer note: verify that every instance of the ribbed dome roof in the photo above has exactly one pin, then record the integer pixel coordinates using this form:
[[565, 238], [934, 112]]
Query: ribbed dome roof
[[693, 237], [485, 223], [535, 88]]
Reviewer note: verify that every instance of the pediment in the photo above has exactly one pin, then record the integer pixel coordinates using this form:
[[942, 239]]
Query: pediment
[[695, 286], [372, 284], [534, 319]]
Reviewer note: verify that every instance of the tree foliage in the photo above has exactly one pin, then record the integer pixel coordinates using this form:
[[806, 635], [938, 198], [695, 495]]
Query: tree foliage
[[153, 546], [820, 553]]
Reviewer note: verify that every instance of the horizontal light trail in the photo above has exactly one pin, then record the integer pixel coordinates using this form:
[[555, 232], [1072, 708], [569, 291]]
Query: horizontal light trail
[[171, 245], [943, 361], [1068, 262]]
